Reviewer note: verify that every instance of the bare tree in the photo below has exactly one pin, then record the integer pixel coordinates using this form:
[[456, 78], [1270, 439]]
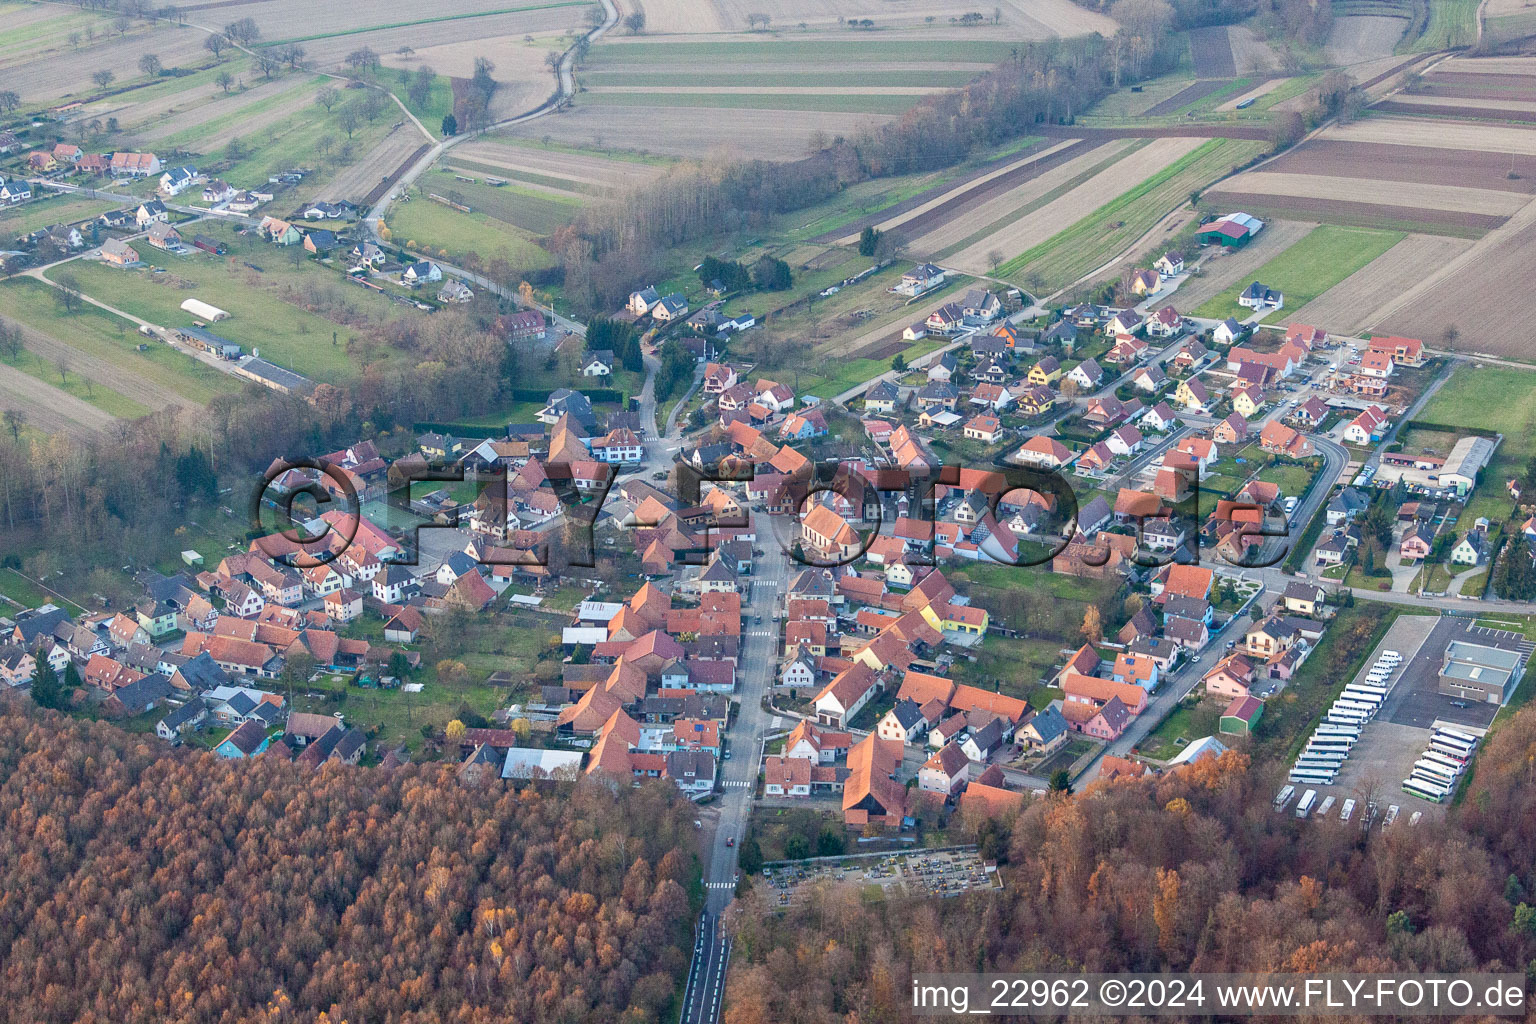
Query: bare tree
[[9, 101], [635, 23], [348, 120], [266, 63], [15, 419], [67, 291], [224, 81], [61, 363], [150, 65], [327, 97], [102, 78], [216, 45], [994, 259]]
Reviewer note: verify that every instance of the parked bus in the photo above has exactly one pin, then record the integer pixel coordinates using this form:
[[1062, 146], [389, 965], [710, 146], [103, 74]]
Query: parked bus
[[1304, 805], [1325, 740], [1453, 753], [1361, 695], [1332, 729], [1460, 734], [1342, 717], [1455, 748], [1348, 810], [1325, 807], [1434, 773], [1450, 764], [1368, 688], [1425, 790], [1312, 776], [1284, 797], [1451, 739]]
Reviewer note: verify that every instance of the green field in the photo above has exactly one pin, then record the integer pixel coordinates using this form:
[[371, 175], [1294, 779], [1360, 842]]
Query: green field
[[87, 390], [754, 101], [261, 318], [1492, 398], [431, 225], [188, 138], [42, 213], [535, 210], [99, 333], [833, 52], [439, 101], [1111, 228], [849, 373], [1452, 23], [1320, 260]]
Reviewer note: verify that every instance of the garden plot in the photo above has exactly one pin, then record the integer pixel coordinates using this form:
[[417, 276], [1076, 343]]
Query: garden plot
[[491, 36], [358, 179], [212, 125]]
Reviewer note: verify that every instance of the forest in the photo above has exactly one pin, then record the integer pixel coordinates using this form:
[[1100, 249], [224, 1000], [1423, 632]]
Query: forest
[[147, 884], [1192, 871]]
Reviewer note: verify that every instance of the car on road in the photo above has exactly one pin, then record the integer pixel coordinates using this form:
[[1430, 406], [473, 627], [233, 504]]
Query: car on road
[[1460, 704], [730, 840]]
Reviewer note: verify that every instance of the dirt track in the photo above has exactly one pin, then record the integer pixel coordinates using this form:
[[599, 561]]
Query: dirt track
[[47, 408], [101, 371], [1346, 306]]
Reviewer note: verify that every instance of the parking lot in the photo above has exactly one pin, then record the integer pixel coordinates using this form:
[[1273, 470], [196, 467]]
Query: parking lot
[[911, 873], [1415, 700]]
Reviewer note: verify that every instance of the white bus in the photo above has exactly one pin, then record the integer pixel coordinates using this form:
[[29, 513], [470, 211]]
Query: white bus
[[1450, 764], [1451, 740], [1331, 742], [1364, 695], [1460, 734], [1460, 757], [1450, 745], [1351, 704], [1312, 776], [1330, 729], [1313, 765], [1304, 805], [1425, 790], [1348, 811], [1342, 717], [1284, 797], [1325, 807], [1380, 691], [1434, 773]]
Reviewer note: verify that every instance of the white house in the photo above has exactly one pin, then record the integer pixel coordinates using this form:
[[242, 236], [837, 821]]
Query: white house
[[422, 270], [921, 278]]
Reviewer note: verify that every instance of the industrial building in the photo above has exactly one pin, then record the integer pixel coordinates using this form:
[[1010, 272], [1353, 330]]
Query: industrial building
[[1473, 672]]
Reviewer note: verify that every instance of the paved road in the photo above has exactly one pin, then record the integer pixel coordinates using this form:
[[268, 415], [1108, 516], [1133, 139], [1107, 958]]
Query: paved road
[[706, 975]]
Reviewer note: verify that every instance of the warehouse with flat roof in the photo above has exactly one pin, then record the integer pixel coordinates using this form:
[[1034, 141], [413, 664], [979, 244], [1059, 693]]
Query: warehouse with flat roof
[[1474, 672]]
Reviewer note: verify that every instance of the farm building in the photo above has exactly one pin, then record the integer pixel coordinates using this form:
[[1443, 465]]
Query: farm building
[[203, 311], [1241, 716], [1233, 231], [275, 377], [209, 342]]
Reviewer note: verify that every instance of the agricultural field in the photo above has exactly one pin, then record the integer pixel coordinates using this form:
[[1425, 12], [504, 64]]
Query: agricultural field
[[50, 52], [1508, 19], [425, 225], [1355, 38], [1442, 177], [45, 212], [1226, 270], [1320, 260], [792, 19], [1345, 307], [1493, 398], [1082, 231]]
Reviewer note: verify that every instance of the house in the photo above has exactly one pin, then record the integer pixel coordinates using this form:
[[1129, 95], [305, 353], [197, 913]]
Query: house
[[1144, 282], [1045, 372], [1303, 598], [1280, 439], [821, 746], [1106, 722], [1368, 427], [1035, 401], [947, 319], [218, 191], [1233, 231], [786, 776], [181, 720], [1305, 335], [1149, 379], [1376, 363], [527, 325], [944, 771], [640, 302], [1403, 351], [1231, 430], [366, 253], [943, 368], [904, 723], [598, 364], [41, 162], [1169, 264], [1471, 549], [14, 190], [1063, 333], [1311, 412], [119, 253], [1140, 669], [1248, 401], [1415, 545], [162, 236], [454, 291], [842, 698], [1259, 296], [922, 278], [1232, 676], [1127, 321], [150, 212], [829, 535], [17, 665], [1160, 417], [281, 232], [881, 398], [1096, 459], [1087, 375], [1347, 504], [669, 308], [980, 306], [319, 242], [1191, 394], [247, 739], [1042, 451], [871, 794], [1228, 331], [986, 429], [1124, 440], [1046, 732], [421, 271], [134, 165]]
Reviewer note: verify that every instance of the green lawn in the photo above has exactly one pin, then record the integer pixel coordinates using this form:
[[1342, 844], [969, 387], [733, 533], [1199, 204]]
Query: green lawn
[[94, 392], [849, 373], [1187, 723], [1321, 259], [431, 225], [1087, 244], [58, 208], [101, 334], [259, 318], [854, 103], [1491, 398], [188, 137], [1292, 478], [439, 99], [538, 211]]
